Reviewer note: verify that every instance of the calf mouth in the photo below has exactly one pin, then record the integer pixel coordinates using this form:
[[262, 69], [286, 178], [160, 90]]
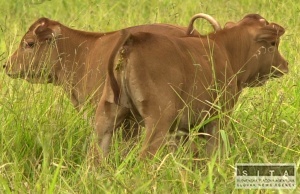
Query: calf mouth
[[14, 76], [32, 78], [261, 80], [278, 72]]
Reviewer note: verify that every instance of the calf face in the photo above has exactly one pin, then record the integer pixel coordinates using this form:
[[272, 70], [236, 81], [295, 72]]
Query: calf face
[[263, 61], [36, 55], [272, 64]]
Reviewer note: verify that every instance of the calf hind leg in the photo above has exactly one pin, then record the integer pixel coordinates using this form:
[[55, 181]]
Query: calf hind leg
[[157, 129], [108, 117]]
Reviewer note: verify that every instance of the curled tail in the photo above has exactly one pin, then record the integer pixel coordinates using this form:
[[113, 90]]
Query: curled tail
[[209, 18], [124, 36]]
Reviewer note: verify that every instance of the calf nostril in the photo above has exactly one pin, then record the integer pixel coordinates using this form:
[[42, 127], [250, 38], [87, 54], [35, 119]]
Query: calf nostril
[[5, 65]]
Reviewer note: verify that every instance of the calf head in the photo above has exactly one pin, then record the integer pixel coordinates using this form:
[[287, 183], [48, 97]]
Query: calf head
[[263, 59], [37, 53]]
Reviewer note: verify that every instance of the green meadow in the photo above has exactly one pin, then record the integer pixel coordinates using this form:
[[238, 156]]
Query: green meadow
[[44, 141]]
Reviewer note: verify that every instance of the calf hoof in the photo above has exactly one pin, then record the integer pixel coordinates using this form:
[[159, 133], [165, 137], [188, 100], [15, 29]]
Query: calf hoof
[[95, 156]]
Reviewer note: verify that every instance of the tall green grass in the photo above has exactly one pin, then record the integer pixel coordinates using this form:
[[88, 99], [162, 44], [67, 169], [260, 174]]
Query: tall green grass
[[43, 140]]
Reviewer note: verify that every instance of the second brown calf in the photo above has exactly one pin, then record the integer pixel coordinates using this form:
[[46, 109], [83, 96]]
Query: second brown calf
[[177, 82]]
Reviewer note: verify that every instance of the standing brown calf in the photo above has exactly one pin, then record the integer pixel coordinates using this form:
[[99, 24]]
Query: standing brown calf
[[50, 52], [177, 82]]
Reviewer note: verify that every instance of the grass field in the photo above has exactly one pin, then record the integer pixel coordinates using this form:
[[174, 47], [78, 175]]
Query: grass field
[[44, 140]]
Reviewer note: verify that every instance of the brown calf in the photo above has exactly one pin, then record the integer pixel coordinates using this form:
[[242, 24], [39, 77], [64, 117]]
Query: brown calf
[[178, 82], [50, 52]]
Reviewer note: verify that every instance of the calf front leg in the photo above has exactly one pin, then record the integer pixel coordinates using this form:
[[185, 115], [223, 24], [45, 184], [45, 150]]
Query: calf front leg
[[212, 129]]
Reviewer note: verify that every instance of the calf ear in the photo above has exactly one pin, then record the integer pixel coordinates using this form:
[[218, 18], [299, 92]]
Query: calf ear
[[46, 29], [229, 25], [270, 32]]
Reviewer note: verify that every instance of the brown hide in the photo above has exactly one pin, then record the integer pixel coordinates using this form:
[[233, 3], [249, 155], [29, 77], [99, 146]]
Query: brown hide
[[178, 82], [50, 52]]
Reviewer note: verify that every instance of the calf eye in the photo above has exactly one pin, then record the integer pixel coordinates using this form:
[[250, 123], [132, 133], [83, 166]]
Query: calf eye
[[30, 44], [273, 43]]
